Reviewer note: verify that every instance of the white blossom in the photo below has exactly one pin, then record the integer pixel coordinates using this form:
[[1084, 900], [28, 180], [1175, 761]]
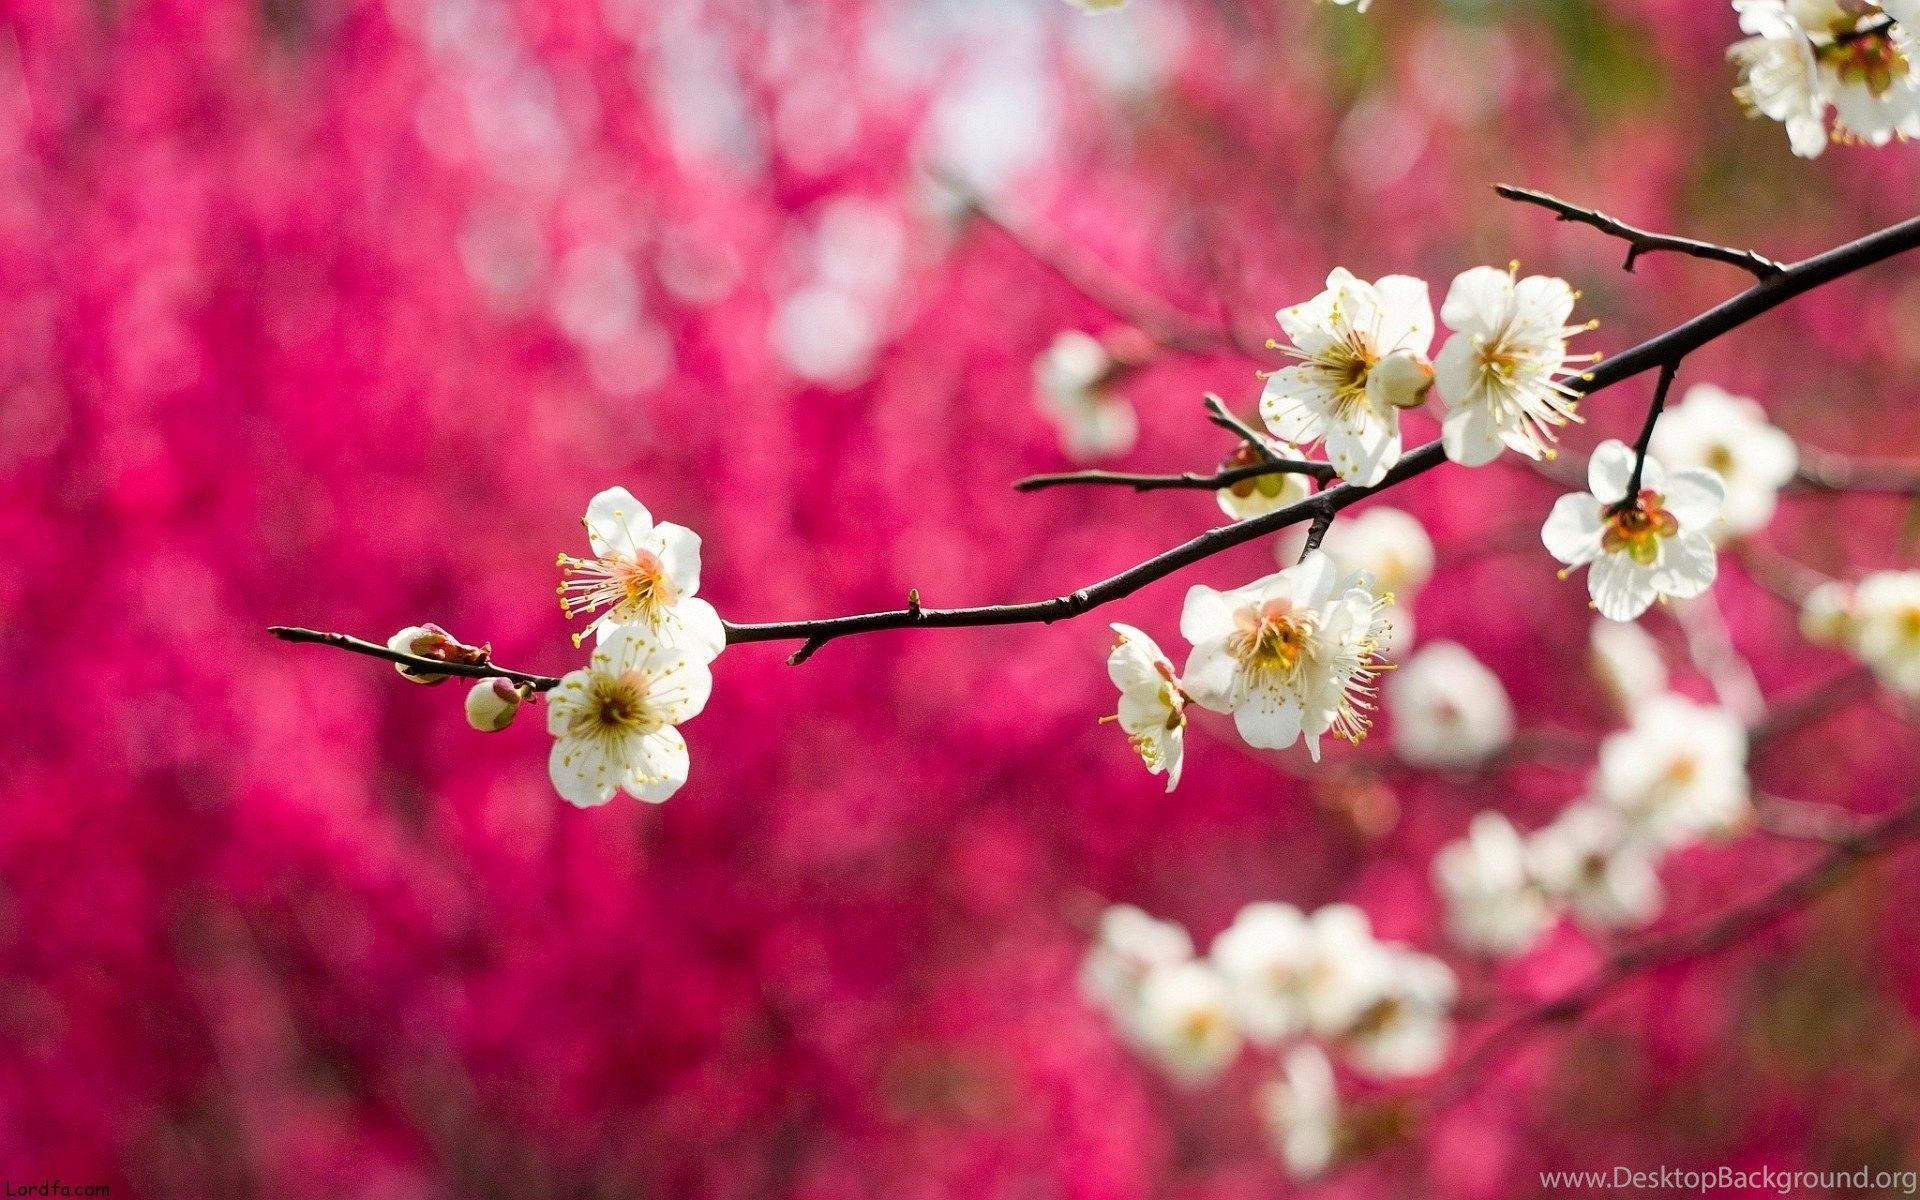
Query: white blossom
[[1289, 974], [1713, 430], [1678, 772], [615, 724], [1657, 545], [1073, 377], [1405, 1027], [1493, 904], [1627, 661], [1153, 707], [1292, 655], [1362, 351], [1128, 947], [1501, 372], [1266, 493], [1779, 74], [1826, 614], [1184, 1022], [1806, 56], [1886, 627], [1448, 709], [641, 574], [1301, 1112], [1589, 860], [1390, 547]]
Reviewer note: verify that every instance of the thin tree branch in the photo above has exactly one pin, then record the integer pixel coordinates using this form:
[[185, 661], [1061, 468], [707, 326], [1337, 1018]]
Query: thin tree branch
[[424, 666], [1846, 850], [1221, 415], [1641, 445], [1642, 241], [1190, 480]]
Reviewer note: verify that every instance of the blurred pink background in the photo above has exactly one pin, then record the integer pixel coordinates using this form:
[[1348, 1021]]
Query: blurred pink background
[[336, 312]]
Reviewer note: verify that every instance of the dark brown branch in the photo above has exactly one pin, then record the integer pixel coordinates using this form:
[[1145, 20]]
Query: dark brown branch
[[424, 666], [1846, 850], [1221, 415], [1644, 442], [1642, 241], [1190, 480]]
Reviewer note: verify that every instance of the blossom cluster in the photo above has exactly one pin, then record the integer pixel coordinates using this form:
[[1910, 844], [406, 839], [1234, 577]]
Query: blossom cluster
[[1851, 58], [1877, 619], [1275, 980]]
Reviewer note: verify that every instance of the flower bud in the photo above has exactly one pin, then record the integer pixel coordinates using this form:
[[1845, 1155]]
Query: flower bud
[[423, 641], [1402, 379], [492, 703]]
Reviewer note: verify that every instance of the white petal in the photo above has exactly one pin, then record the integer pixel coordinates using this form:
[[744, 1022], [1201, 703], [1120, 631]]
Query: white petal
[[1209, 677], [1543, 303], [582, 773], [1572, 531], [1269, 718], [1478, 302], [1687, 566], [1364, 447], [616, 522], [1609, 470], [1406, 314], [1456, 373], [1470, 436], [678, 549], [681, 683], [1206, 616], [693, 626], [1621, 588], [659, 768], [1693, 497]]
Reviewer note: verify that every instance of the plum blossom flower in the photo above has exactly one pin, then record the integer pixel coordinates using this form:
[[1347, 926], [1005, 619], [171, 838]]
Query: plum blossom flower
[[1405, 1027], [1853, 56], [1677, 773], [1391, 548], [1262, 494], [641, 574], [615, 723], [1493, 904], [1589, 860], [1826, 614], [1288, 974], [1184, 1021], [1129, 946], [1501, 372], [1779, 74], [1292, 655], [1301, 1112], [1153, 707], [1886, 627], [1448, 709], [1713, 430], [1652, 544], [1362, 351], [1073, 377], [1626, 661]]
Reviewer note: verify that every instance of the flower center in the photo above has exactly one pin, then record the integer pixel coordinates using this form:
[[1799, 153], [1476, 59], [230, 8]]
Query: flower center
[[1379, 1017], [1270, 637], [634, 585], [616, 707], [1636, 528], [1720, 460], [1871, 59]]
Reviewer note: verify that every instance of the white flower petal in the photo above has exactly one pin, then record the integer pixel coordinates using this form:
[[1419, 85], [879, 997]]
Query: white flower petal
[[617, 523], [1621, 588], [1572, 531], [1610, 470]]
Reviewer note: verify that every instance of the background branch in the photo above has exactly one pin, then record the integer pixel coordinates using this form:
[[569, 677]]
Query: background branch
[[1643, 241]]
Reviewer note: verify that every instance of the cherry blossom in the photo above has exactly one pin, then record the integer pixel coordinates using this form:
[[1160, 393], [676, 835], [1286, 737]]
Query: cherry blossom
[[641, 574], [1493, 903], [1448, 709]]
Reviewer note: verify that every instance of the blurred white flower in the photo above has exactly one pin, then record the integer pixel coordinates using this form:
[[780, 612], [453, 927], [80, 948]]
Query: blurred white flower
[[1362, 349], [1808, 55], [1301, 1112], [1656, 546], [1292, 655], [1493, 905], [1779, 75], [1390, 547], [1627, 662], [1886, 627], [1448, 709], [1501, 372], [614, 723], [1266, 956], [1183, 1021], [1128, 947], [1826, 615], [1072, 377], [1263, 493], [1094, 6], [641, 574], [1153, 708], [1405, 1027], [1677, 773], [1729, 435], [1589, 860]]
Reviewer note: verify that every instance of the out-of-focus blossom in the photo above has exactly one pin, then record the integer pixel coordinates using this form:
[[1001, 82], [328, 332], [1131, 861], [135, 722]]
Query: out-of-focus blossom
[[641, 574], [1363, 357], [1626, 660], [1679, 772], [1657, 545], [1184, 1021], [1589, 860], [1291, 655], [1073, 377], [1493, 904], [1886, 627], [1448, 709], [1826, 614], [1390, 547], [1098, 5], [1263, 493], [492, 703], [1728, 435], [1501, 372], [1406, 1024], [615, 723], [1153, 707], [1854, 56], [1267, 957], [1129, 945], [1301, 1112]]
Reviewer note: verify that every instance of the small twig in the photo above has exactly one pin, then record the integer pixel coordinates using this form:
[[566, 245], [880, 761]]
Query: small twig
[[1791, 581], [1189, 480], [1668, 370], [1317, 532], [1855, 683], [1221, 415], [1641, 241], [421, 665]]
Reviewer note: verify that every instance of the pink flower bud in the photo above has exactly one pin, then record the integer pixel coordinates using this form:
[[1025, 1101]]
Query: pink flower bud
[[423, 641]]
